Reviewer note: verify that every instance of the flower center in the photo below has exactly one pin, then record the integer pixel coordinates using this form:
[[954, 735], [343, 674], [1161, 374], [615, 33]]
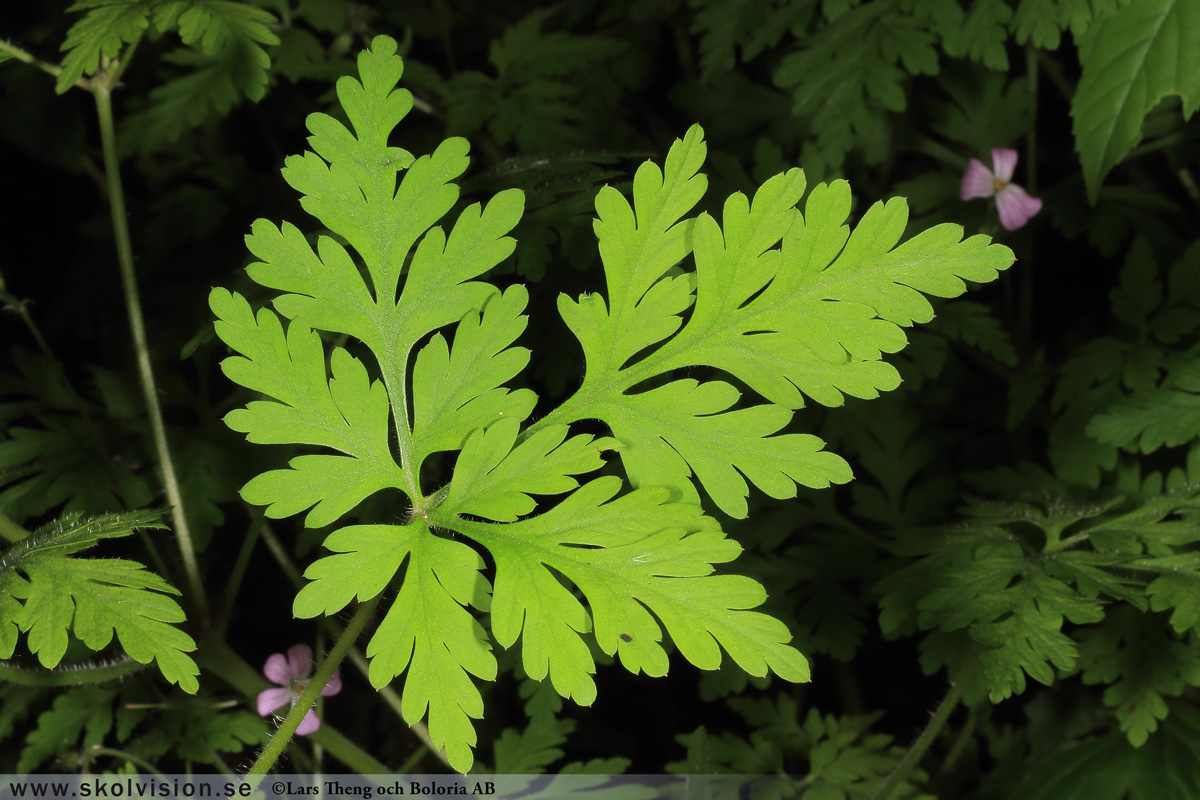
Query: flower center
[[997, 184], [298, 687]]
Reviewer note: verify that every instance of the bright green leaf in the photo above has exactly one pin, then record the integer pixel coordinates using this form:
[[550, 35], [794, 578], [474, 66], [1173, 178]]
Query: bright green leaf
[[626, 555], [107, 27], [443, 345], [761, 314], [48, 593]]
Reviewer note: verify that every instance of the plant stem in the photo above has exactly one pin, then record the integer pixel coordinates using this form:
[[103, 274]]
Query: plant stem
[[281, 556], [103, 94], [936, 722], [28, 58], [1189, 185], [11, 531], [961, 742], [20, 307], [393, 699], [283, 735], [239, 571], [318, 752], [69, 674], [141, 763], [215, 657], [413, 760], [1055, 72]]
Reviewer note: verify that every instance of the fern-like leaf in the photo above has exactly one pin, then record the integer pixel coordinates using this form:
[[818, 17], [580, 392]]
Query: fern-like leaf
[[107, 27], [641, 563], [45, 592]]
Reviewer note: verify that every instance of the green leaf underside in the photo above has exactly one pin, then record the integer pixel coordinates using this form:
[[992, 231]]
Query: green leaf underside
[[812, 317], [628, 556], [45, 592], [444, 346], [347, 413], [427, 630]]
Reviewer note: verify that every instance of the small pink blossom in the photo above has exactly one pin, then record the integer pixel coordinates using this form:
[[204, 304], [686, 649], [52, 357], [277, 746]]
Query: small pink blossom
[[1015, 205], [292, 673]]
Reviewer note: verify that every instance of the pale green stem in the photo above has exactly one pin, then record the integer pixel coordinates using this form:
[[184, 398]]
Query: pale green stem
[[11, 531], [117, 69], [944, 709], [413, 760], [393, 699], [30, 59], [961, 742], [280, 554], [137, 326], [397, 390], [20, 307], [215, 657], [69, 674], [1189, 185], [283, 735], [97, 750], [239, 571], [318, 752]]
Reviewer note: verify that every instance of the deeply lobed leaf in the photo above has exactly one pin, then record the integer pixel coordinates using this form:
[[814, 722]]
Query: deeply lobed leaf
[[790, 304], [622, 569], [45, 592], [107, 27]]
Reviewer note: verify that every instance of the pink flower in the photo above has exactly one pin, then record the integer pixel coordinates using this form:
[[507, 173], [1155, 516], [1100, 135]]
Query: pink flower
[[292, 674], [1014, 203]]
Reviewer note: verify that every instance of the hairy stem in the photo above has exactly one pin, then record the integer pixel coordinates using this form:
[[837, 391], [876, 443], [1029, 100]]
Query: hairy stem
[[283, 735], [215, 656], [137, 324], [29, 58], [69, 674], [936, 722]]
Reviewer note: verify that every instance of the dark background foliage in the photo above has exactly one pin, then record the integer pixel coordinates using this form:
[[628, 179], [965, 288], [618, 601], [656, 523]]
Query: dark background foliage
[[560, 99]]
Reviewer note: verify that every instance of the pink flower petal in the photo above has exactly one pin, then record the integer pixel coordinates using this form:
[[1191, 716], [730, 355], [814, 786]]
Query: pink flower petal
[[335, 684], [278, 670], [309, 724], [1004, 162], [271, 699], [1016, 207], [300, 660], [977, 181]]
